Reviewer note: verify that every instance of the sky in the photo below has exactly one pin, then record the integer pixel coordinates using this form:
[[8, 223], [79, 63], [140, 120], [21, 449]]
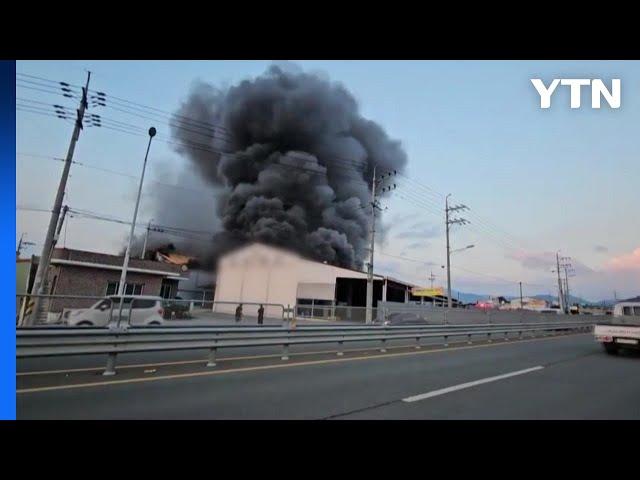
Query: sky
[[536, 181]]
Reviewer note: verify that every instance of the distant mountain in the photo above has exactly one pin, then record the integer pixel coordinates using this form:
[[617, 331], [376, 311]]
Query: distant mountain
[[474, 297], [468, 297], [612, 302]]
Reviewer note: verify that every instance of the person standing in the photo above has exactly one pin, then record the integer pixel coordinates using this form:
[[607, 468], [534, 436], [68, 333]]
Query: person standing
[[260, 315], [239, 313]]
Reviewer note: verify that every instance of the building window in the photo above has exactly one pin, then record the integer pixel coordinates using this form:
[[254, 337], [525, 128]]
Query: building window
[[165, 290], [312, 307], [129, 288]]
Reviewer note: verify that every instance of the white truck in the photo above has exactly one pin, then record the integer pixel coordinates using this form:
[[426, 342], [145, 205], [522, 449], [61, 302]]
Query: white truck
[[624, 331]]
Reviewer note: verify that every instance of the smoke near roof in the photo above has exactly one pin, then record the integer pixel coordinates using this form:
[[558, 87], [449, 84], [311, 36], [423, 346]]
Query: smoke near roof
[[290, 159]]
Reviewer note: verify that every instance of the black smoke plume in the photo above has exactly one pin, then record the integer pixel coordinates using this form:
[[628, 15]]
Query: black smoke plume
[[291, 159]]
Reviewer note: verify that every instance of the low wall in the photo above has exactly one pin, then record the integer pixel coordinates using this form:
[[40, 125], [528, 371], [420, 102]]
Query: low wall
[[454, 316]]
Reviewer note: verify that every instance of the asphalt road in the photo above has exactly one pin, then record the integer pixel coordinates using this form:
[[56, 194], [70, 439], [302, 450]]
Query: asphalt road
[[564, 377]]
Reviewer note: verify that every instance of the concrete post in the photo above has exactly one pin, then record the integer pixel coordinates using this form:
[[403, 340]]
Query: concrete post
[[212, 357], [111, 365]]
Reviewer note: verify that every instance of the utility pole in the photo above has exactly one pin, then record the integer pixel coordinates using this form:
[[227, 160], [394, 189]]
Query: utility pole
[[146, 238], [560, 293], [65, 209], [125, 265], [43, 265], [448, 223], [431, 279], [374, 205], [520, 295], [371, 246], [566, 265]]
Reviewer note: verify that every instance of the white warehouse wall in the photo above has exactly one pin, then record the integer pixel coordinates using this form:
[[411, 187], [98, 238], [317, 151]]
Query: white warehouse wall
[[259, 273]]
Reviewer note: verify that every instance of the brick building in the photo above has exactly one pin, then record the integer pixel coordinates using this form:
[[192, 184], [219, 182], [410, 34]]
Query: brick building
[[83, 273]]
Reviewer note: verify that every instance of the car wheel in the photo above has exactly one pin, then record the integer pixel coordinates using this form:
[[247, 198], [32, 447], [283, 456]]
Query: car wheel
[[610, 348], [84, 323], [154, 323]]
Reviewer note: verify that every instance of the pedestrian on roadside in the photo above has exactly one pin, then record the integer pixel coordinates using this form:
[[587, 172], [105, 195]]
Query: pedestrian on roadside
[[260, 315], [239, 313]]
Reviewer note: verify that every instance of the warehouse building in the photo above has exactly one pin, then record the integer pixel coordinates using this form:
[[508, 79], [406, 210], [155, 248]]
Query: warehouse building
[[258, 273]]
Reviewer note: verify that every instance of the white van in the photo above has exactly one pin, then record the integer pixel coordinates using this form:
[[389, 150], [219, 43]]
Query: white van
[[144, 310]]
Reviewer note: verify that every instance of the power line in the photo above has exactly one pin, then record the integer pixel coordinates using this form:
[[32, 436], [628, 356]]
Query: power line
[[422, 202], [481, 225], [408, 259], [39, 112], [111, 217], [439, 196], [170, 123], [122, 174], [99, 98], [140, 107], [507, 281], [186, 234], [32, 209], [130, 107], [48, 80], [49, 90]]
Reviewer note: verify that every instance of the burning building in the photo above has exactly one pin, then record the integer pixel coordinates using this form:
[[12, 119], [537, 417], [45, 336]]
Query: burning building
[[289, 161]]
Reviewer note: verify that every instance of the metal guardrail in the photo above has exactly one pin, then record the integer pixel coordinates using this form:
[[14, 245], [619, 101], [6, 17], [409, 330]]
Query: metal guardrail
[[46, 342]]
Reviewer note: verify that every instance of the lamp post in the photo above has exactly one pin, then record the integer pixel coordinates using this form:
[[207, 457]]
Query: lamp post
[[125, 265]]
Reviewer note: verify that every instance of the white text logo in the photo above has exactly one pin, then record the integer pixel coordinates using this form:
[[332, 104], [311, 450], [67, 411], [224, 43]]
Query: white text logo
[[598, 91]]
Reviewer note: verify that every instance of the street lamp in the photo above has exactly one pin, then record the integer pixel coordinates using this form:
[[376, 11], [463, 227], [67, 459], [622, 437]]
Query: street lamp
[[461, 249], [125, 265]]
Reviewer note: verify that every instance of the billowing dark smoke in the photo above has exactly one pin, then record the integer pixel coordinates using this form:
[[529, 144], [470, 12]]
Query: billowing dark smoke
[[293, 159]]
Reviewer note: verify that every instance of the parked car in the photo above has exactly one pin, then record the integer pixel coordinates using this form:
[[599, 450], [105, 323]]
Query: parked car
[[176, 310], [550, 311], [397, 319], [144, 310]]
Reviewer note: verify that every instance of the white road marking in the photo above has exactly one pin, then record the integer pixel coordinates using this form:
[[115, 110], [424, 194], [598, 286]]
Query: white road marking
[[462, 386], [288, 365]]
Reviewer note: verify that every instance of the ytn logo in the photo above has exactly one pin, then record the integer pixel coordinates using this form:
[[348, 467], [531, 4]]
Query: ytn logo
[[598, 90]]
